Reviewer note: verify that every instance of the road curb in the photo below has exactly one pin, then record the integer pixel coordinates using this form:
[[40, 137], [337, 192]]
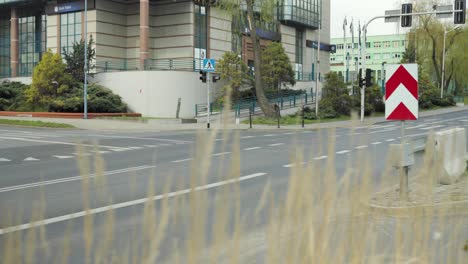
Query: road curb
[[422, 210]]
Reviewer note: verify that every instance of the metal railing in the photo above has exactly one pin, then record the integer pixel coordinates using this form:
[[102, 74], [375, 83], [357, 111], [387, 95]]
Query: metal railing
[[243, 106]]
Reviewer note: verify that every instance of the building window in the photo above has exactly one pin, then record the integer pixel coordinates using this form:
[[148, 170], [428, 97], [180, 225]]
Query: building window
[[4, 47], [349, 46], [299, 46], [356, 45], [403, 43], [332, 58], [368, 45], [32, 42], [387, 56], [395, 44], [377, 45], [386, 44], [70, 30], [397, 55], [340, 46], [368, 57]]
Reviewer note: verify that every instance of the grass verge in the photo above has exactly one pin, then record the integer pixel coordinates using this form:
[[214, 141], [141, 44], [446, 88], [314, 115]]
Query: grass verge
[[33, 123], [466, 99]]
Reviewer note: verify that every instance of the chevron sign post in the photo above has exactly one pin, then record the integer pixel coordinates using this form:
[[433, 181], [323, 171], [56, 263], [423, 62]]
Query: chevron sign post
[[401, 92]]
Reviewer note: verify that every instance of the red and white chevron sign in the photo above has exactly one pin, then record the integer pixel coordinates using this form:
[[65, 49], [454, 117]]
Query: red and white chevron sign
[[401, 92]]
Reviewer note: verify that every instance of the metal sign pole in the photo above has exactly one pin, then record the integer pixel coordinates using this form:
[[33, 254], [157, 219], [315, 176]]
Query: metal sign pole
[[404, 173], [208, 107]]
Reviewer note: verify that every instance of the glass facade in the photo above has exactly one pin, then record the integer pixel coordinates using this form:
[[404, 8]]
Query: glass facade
[[201, 27], [299, 46], [32, 42], [4, 47], [70, 30], [301, 12]]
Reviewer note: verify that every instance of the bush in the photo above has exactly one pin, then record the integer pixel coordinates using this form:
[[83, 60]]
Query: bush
[[12, 95]]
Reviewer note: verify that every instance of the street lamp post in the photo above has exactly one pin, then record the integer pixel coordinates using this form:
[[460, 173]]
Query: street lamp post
[[443, 62], [383, 77], [85, 68]]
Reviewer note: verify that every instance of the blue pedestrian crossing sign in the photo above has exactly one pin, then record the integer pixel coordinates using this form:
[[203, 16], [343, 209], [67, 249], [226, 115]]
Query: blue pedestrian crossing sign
[[209, 65]]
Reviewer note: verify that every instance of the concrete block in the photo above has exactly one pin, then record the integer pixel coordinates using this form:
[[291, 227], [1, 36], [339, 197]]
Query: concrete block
[[450, 150]]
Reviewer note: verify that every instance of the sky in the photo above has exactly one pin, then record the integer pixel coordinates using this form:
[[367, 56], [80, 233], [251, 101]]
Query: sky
[[363, 10]]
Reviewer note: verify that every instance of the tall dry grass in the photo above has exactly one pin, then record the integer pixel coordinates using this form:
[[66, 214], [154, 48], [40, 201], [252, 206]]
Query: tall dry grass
[[320, 216]]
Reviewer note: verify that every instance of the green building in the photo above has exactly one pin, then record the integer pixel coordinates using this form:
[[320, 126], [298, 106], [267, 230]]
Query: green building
[[380, 50]]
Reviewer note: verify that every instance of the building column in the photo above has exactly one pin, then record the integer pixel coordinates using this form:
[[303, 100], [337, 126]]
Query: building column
[[14, 43], [144, 32]]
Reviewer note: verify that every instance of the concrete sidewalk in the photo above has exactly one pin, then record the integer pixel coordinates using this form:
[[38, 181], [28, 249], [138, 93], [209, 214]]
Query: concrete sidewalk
[[171, 125]]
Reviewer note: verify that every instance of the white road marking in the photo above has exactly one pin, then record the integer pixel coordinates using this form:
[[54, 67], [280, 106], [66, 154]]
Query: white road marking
[[63, 157], [126, 204], [135, 147], [464, 120], [321, 158], [252, 148], [69, 179], [221, 154], [276, 144], [376, 143], [81, 154], [4, 160], [100, 151], [121, 149], [382, 126], [143, 138], [343, 151], [289, 133], [269, 135], [289, 165], [182, 160], [247, 137], [219, 139], [390, 140], [413, 127], [58, 142], [307, 132], [431, 127], [151, 146], [23, 136], [30, 159], [383, 130], [361, 147]]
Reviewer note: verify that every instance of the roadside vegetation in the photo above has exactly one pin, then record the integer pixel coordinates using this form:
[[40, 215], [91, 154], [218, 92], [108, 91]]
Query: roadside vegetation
[[58, 87], [33, 123]]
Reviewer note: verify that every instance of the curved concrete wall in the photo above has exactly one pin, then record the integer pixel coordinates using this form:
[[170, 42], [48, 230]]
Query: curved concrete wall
[[155, 93]]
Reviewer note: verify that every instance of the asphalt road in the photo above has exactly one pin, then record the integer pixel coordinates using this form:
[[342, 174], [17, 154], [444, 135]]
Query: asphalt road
[[42, 170]]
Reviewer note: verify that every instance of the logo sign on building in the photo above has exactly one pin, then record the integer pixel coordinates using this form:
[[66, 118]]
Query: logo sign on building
[[209, 65], [68, 7], [401, 92]]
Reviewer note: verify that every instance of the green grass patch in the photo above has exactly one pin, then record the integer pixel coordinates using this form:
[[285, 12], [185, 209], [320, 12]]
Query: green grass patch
[[33, 123], [466, 100], [292, 120]]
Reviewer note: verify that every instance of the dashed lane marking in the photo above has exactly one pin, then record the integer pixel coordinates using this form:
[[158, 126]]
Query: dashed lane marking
[[221, 154], [57, 142], [343, 151], [30, 159], [245, 137], [390, 140], [143, 138], [151, 146], [4, 160], [63, 157], [432, 127], [321, 158], [361, 147], [376, 143], [276, 144], [252, 148], [269, 135], [182, 160]]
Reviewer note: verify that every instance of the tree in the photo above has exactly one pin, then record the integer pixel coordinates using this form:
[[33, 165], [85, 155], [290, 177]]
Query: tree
[[234, 72], [49, 80], [277, 68], [74, 58], [255, 12], [335, 98], [428, 36]]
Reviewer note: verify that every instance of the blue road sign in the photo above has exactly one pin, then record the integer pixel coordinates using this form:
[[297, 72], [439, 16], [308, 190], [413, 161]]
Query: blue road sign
[[209, 65]]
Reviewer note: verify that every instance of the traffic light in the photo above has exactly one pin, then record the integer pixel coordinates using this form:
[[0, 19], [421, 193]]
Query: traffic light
[[459, 17], [407, 20], [362, 81], [203, 76], [369, 77]]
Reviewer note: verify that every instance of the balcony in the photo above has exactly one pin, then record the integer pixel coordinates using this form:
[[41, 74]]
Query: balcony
[[300, 13]]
